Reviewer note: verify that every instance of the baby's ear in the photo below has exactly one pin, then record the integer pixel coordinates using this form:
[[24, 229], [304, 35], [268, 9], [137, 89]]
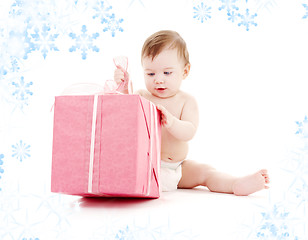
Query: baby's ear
[[186, 70]]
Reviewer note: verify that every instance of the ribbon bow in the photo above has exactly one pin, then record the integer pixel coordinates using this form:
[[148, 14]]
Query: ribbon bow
[[111, 86]]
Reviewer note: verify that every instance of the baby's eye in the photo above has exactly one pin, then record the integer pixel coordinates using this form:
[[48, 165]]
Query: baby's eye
[[151, 74], [167, 73]]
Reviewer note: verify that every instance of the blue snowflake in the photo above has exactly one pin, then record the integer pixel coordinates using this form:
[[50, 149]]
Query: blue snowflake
[[228, 5], [14, 65], [102, 11], [202, 12], [29, 46], [232, 16], [302, 194], [297, 166], [21, 150], [124, 234], [113, 25], [44, 40], [22, 90], [274, 224], [3, 71], [16, 8], [1, 163], [247, 20], [84, 42], [306, 7], [30, 239], [302, 127]]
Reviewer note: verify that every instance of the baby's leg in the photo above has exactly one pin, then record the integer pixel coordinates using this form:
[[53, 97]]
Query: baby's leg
[[195, 174]]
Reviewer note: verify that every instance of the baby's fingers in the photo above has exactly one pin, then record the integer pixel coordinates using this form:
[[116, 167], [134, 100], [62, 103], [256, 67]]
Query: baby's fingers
[[118, 76], [161, 108]]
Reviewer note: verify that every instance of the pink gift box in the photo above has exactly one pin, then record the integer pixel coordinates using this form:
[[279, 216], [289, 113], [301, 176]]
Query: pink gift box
[[106, 145]]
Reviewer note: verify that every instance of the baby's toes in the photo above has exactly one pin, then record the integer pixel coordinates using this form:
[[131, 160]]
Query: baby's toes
[[264, 172], [267, 180]]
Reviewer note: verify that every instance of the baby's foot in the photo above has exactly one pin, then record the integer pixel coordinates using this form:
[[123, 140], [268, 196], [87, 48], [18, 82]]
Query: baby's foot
[[252, 183]]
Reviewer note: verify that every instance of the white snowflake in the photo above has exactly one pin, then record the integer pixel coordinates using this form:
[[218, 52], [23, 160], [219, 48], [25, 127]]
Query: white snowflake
[[265, 4]]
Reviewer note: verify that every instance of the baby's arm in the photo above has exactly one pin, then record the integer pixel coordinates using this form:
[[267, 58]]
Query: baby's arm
[[184, 128]]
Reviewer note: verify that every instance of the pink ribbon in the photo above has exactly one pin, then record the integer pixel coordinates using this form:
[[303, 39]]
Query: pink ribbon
[[111, 86]]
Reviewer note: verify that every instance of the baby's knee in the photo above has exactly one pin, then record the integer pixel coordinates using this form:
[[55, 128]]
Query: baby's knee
[[204, 172]]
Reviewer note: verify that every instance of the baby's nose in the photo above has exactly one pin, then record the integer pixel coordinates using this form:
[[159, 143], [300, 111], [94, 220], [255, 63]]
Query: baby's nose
[[159, 81]]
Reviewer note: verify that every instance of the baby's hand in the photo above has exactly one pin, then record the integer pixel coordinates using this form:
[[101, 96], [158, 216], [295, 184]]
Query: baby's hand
[[167, 118], [119, 76]]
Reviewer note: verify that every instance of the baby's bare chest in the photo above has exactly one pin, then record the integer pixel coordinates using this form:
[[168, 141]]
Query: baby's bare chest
[[173, 105]]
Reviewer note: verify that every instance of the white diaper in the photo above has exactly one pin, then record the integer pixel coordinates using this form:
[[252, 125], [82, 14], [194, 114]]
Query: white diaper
[[170, 175]]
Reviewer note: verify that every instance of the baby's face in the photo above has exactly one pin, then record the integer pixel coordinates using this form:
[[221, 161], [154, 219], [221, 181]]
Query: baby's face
[[164, 74]]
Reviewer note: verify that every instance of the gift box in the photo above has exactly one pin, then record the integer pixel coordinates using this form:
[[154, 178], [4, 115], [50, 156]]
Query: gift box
[[106, 145]]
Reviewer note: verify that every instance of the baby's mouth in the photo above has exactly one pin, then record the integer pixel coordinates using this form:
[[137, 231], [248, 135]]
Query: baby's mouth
[[160, 88]]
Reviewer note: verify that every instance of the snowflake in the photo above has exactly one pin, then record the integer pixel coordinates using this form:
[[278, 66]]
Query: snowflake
[[140, 1], [232, 16], [30, 239], [265, 4], [102, 12], [228, 5], [14, 65], [202, 12], [113, 25], [297, 166], [124, 234], [302, 194], [16, 8], [274, 225], [3, 71], [44, 40], [1, 163], [303, 127], [306, 7], [18, 44], [247, 20], [22, 90], [84, 42], [21, 150]]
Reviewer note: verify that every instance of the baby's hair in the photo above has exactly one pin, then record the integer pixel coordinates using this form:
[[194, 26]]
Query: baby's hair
[[162, 39]]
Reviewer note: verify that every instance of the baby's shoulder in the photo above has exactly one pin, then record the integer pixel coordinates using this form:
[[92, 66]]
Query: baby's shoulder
[[141, 92], [144, 93], [186, 96]]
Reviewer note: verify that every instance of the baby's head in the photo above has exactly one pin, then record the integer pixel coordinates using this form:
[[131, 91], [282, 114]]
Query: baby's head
[[163, 40], [165, 61]]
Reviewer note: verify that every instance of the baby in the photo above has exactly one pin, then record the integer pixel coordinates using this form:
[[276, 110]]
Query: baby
[[165, 61]]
